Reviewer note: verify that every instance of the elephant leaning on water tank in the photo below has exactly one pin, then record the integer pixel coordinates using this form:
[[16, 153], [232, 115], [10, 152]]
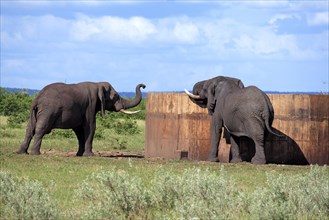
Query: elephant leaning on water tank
[[243, 111], [73, 106]]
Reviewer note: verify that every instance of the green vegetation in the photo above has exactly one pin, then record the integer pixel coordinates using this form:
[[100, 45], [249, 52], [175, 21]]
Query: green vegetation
[[25, 199], [58, 185], [16, 106], [203, 194]]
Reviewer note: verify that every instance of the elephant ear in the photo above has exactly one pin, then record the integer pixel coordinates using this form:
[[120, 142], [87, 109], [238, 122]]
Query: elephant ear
[[101, 96], [240, 84]]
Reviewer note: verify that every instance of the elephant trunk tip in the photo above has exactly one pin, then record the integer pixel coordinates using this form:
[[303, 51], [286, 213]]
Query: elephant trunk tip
[[141, 85]]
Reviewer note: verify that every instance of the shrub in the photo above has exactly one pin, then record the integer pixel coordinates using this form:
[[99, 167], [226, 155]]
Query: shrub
[[120, 143], [24, 199], [114, 194], [15, 121], [205, 194], [62, 133], [194, 194], [197, 194], [296, 197], [125, 126], [14, 103]]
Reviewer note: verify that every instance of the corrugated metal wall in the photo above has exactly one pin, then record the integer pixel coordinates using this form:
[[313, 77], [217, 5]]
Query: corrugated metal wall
[[177, 128]]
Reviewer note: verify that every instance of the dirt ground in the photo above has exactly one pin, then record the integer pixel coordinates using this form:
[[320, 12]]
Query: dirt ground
[[97, 153]]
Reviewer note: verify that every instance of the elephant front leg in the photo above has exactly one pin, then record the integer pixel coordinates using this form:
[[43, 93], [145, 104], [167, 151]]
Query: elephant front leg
[[79, 132], [215, 131], [89, 132]]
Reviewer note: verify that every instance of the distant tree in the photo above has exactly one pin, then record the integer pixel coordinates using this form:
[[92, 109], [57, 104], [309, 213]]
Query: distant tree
[[15, 105]]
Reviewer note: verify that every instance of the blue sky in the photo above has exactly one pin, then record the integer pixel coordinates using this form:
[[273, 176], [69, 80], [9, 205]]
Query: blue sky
[[168, 45]]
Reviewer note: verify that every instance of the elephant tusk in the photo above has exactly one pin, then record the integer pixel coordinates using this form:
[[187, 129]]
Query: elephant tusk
[[129, 112], [192, 95]]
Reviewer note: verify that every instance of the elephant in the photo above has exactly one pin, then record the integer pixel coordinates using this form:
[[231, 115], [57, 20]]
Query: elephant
[[205, 90], [242, 111], [73, 106]]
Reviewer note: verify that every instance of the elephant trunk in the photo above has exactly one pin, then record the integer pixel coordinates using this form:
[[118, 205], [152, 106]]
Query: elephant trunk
[[138, 98]]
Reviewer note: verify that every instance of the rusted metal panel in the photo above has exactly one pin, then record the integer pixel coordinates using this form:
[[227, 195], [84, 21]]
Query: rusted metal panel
[[177, 128], [319, 132]]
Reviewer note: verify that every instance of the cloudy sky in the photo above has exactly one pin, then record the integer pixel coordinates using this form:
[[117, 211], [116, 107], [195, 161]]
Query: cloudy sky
[[168, 45]]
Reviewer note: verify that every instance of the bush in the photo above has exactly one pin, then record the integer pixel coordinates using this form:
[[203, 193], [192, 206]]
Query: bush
[[114, 194], [296, 197], [12, 104], [62, 133], [204, 194], [16, 106], [196, 194], [126, 127], [15, 121], [24, 199], [120, 126]]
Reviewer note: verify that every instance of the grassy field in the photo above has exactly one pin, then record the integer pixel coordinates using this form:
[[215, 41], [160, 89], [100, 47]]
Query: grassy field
[[68, 179]]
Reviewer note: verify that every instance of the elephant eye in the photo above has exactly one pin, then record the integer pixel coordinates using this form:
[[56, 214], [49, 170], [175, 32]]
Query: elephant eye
[[115, 97]]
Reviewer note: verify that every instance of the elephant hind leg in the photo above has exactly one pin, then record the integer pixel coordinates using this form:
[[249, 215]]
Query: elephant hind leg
[[259, 157], [235, 151], [27, 140], [37, 143], [43, 127]]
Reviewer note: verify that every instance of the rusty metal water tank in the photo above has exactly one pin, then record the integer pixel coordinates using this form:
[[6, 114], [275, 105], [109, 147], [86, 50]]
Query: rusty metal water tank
[[176, 128]]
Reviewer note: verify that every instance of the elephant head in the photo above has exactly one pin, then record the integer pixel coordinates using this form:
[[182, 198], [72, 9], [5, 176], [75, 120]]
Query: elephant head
[[203, 92], [110, 100]]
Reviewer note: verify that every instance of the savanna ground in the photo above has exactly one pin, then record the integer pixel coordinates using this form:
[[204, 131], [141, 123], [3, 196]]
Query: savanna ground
[[118, 183]]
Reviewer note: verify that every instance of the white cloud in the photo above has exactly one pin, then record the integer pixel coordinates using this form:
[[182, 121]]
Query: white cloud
[[110, 28], [319, 18], [264, 42], [186, 32], [279, 17], [224, 37]]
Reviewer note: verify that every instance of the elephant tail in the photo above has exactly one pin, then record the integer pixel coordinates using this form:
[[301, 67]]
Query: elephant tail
[[269, 127], [33, 119], [268, 116]]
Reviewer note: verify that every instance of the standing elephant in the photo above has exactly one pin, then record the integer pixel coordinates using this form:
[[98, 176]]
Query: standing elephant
[[242, 111], [73, 106]]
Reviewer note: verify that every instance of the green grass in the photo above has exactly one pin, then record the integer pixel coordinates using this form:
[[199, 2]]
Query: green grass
[[62, 175]]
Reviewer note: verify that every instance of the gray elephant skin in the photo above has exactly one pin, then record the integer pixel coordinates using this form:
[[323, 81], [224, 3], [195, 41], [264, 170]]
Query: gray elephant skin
[[73, 106], [243, 111]]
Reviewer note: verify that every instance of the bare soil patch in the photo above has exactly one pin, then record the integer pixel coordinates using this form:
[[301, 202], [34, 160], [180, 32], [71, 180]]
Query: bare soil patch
[[97, 153]]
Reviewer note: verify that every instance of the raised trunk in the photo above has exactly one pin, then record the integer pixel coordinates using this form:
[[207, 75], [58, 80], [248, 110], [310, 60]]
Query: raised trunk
[[134, 102]]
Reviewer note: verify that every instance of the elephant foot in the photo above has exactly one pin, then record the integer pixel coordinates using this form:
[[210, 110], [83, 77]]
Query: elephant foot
[[213, 159], [35, 152], [88, 154], [236, 160], [22, 151], [258, 161], [79, 154]]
